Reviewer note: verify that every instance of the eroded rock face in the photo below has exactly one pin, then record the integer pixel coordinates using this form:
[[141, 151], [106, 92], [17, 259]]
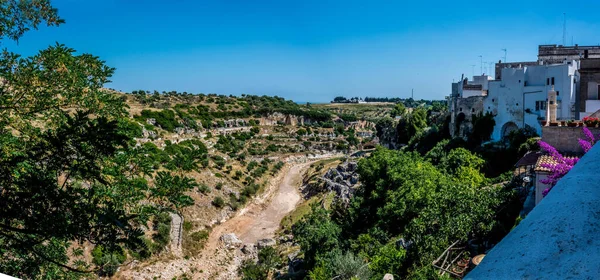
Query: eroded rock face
[[249, 249], [267, 242], [230, 240], [342, 179], [388, 277]]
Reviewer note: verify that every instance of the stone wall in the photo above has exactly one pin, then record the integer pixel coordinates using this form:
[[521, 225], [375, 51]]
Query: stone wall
[[589, 73], [466, 107], [564, 138]]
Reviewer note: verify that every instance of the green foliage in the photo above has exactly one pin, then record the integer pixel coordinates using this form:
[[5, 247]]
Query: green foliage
[[316, 234], [268, 259], [411, 124], [348, 117], [301, 132], [348, 266], [200, 236], [164, 118], [162, 226], [530, 145], [272, 148], [68, 169], [404, 196], [171, 189], [218, 202], [399, 110], [483, 126], [108, 259], [388, 259], [203, 189]]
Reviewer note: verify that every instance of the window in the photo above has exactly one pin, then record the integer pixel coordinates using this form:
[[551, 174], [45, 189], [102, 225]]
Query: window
[[547, 81], [552, 80], [472, 110], [460, 109], [557, 93], [517, 104], [540, 105]]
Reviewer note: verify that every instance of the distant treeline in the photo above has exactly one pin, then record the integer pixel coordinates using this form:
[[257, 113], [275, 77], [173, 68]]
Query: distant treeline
[[408, 102]]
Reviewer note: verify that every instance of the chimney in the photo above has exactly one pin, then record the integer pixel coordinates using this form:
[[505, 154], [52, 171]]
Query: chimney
[[551, 108]]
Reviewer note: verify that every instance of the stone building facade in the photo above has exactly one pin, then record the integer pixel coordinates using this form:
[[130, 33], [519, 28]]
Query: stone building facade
[[518, 96]]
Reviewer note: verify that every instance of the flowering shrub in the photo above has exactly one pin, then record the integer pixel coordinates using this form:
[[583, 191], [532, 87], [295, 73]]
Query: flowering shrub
[[589, 121], [562, 165]]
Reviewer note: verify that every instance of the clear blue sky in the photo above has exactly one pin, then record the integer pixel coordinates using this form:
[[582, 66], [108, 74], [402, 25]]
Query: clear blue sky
[[309, 50]]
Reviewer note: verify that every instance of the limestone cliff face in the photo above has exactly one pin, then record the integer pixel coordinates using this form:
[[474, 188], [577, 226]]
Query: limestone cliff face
[[286, 119]]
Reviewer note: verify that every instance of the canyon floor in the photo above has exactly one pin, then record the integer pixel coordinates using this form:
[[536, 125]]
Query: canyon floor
[[259, 219]]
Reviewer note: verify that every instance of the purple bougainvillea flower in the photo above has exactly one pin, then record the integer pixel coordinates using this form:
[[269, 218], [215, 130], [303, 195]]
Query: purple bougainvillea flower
[[562, 165]]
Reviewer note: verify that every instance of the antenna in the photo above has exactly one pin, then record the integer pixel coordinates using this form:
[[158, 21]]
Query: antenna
[[412, 94], [504, 55], [481, 64], [473, 69], [564, 29]]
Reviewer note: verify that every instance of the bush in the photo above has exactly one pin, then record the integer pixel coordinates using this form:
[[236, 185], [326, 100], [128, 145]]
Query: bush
[[108, 259], [204, 189], [164, 118], [218, 202], [187, 225], [272, 148], [162, 225], [268, 259], [199, 236], [219, 186]]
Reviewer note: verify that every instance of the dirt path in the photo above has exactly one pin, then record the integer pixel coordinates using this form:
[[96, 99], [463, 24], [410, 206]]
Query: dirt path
[[262, 222], [259, 219]]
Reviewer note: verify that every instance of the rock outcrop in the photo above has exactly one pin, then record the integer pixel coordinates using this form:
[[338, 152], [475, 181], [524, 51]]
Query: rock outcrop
[[267, 242], [230, 240], [342, 179]]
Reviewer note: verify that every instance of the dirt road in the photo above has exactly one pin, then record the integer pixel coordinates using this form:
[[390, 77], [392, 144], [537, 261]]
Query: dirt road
[[259, 219]]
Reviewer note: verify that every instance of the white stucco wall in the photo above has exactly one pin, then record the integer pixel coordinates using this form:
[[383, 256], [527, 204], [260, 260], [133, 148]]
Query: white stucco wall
[[468, 93], [521, 88], [539, 186]]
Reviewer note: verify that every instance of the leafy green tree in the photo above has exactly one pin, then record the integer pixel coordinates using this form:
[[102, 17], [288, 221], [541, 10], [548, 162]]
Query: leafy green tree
[[412, 124], [483, 126], [389, 259], [316, 234], [395, 187], [68, 171], [399, 110]]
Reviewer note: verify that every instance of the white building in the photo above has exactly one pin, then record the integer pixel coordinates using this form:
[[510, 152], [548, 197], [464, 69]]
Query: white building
[[519, 99], [518, 95]]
